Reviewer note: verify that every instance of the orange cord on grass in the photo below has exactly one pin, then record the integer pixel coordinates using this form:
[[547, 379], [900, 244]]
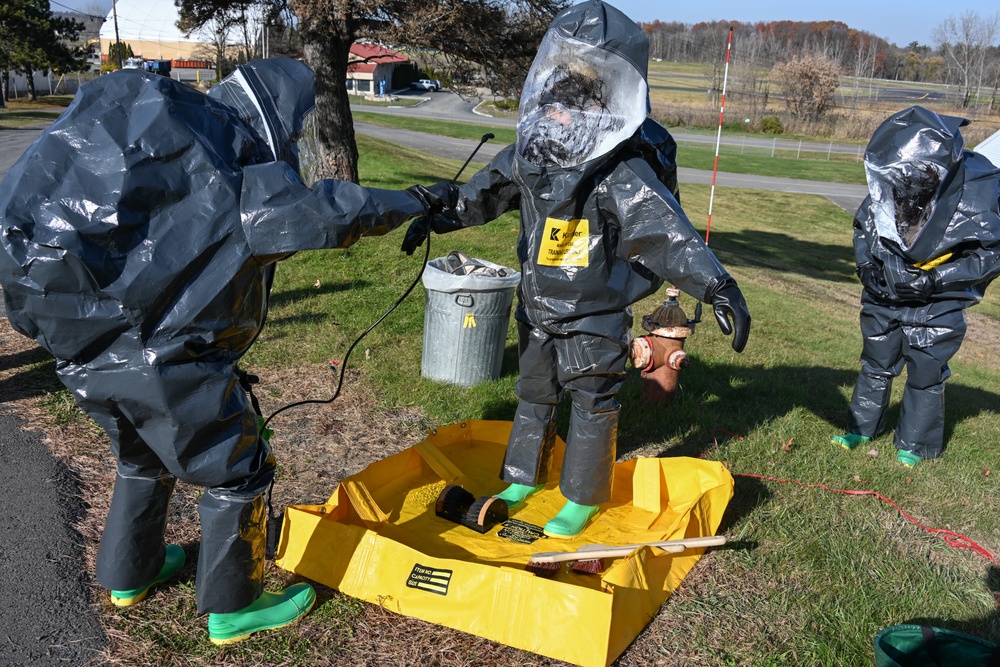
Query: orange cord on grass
[[951, 538]]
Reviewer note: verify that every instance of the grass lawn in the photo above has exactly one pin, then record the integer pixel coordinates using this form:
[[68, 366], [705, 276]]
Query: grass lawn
[[812, 575], [735, 159], [22, 112]]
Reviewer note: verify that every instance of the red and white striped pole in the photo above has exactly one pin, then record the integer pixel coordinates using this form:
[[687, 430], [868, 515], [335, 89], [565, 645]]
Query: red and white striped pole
[[718, 137]]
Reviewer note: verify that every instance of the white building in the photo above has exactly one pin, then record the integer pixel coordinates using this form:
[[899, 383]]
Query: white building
[[990, 147], [149, 27]]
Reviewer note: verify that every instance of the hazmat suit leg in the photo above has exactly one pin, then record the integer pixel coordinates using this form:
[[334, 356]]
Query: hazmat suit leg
[[592, 368], [881, 361], [132, 549], [532, 438], [213, 439], [196, 419], [929, 347]]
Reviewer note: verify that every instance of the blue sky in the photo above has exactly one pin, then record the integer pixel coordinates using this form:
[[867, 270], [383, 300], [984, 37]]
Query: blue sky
[[899, 22], [895, 21]]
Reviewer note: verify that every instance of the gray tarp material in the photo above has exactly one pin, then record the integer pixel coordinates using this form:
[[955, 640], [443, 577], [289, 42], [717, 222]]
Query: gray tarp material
[[139, 234], [595, 237], [932, 216]]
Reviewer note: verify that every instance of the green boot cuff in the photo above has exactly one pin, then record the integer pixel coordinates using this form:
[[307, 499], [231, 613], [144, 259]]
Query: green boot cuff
[[515, 494], [849, 440], [173, 561]]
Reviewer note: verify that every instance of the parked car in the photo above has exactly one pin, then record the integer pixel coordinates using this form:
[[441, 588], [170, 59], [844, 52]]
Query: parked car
[[427, 84]]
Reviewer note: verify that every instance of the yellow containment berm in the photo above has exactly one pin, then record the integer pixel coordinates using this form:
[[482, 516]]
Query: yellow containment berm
[[378, 539]]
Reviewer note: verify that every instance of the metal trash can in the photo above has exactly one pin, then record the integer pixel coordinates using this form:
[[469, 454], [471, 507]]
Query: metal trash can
[[465, 320]]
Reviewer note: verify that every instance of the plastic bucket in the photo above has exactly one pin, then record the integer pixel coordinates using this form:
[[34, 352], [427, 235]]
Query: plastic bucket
[[465, 321]]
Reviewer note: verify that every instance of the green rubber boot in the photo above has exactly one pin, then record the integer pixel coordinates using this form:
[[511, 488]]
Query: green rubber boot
[[173, 561], [571, 520], [269, 611], [850, 440], [908, 459], [515, 494]]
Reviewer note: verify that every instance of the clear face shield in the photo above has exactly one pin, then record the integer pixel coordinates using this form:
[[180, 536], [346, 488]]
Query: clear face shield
[[903, 195], [579, 103]]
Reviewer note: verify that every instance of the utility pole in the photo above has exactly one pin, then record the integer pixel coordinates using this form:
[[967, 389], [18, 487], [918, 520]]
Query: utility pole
[[118, 41]]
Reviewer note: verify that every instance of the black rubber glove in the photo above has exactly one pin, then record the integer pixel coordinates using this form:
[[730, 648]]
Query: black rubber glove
[[435, 198], [728, 304], [874, 281], [919, 289], [416, 234]]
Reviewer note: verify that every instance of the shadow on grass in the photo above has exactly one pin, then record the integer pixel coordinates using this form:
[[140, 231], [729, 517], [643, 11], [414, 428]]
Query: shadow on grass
[[984, 627], [718, 402], [281, 298], [32, 379], [782, 252]]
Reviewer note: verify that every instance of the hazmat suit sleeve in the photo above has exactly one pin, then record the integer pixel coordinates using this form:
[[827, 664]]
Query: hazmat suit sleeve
[[654, 232], [862, 254], [970, 268], [281, 215], [490, 193]]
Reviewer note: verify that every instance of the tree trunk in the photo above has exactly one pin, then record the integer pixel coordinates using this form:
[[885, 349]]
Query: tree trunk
[[4, 86], [30, 73], [334, 148]]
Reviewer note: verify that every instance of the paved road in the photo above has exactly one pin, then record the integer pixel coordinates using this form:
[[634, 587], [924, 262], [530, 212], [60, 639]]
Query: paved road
[[848, 197], [445, 105], [13, 143], [44, 617]]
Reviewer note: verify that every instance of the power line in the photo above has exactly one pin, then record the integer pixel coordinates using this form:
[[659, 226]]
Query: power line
[[77, 11]]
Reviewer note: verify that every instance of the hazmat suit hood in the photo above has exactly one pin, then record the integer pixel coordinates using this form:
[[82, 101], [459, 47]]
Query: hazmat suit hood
[[586, 91], [273, 96], [932, 206], [910, 163]]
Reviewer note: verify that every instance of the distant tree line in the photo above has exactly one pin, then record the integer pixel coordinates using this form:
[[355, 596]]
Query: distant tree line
[[965, 52]]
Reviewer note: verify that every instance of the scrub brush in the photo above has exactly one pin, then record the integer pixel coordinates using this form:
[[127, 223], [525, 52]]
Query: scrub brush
[[548, 563]]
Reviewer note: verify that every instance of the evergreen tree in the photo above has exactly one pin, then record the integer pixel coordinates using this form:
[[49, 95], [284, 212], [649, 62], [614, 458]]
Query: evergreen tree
[[32, 39]]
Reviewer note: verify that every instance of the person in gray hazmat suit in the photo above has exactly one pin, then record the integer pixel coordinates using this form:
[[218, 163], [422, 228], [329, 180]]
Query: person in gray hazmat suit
[[927, 241], [599, 231], [139, 237]]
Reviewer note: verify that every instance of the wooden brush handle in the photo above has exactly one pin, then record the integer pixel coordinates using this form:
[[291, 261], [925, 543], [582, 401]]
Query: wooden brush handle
[[594, 551]]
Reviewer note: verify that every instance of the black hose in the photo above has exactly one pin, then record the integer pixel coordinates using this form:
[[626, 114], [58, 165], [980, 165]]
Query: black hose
[[343, 365]]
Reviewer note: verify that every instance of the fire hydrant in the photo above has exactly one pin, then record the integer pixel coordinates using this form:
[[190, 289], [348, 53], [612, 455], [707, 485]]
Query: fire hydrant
[[660, 356]]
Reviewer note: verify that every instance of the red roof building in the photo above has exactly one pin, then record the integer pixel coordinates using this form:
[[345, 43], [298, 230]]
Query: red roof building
[[370, 67]]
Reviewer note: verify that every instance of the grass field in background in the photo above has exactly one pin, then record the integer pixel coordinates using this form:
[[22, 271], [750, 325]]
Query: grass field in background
[[817, 574], [735, 159]]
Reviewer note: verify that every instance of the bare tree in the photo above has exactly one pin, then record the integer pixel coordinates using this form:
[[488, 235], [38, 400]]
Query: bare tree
[[808, 83], [750, 66], [865, 63], [964, 42]]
